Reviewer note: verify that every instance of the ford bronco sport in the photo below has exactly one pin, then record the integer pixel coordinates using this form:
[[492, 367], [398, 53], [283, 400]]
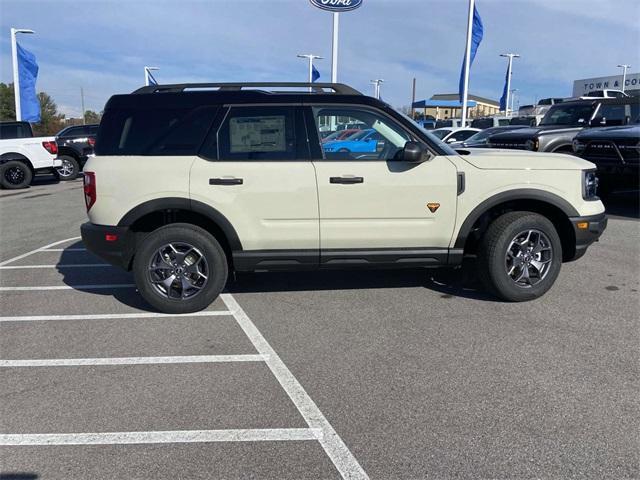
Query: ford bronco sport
[[193, 181]]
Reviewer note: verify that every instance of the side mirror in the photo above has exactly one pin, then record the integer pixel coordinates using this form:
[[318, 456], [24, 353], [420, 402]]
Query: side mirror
[[413, 152], [598, 122], [451, 140]]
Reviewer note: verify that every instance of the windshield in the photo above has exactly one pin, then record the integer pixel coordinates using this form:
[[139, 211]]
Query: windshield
[[570, 115], [440, 133], [481, 137], [429, 134]]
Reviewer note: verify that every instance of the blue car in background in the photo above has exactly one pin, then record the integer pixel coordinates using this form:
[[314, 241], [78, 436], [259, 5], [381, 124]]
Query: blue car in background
[[365, 141]]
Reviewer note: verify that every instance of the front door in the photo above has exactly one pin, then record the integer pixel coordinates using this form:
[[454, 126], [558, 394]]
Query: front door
[[256, 171], [375, 207]]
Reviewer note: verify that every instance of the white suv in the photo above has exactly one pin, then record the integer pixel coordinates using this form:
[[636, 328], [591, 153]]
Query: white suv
[[192, 181]]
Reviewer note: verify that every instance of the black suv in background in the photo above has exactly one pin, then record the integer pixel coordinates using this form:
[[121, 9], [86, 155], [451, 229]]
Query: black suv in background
[[563, 122], [616, 153], [75, 144]]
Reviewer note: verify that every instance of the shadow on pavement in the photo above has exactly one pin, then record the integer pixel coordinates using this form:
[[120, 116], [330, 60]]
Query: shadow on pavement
[[449, 282], [18, 476]]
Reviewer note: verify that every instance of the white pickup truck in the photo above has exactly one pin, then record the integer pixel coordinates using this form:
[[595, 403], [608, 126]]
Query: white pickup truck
[[22, 155]]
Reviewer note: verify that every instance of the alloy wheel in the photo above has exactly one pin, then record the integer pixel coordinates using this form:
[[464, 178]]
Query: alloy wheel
[[528, 258], [178, 270]]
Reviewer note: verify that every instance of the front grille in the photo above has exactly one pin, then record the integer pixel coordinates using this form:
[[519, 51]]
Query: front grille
[[515, 146], [612, 152]]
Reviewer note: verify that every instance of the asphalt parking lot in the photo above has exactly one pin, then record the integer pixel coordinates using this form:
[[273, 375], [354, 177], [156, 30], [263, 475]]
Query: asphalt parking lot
[[390, 374]]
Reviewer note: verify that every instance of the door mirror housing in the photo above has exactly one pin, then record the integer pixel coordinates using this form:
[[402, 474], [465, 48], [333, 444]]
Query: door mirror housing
[[413, 152], [598, 122]]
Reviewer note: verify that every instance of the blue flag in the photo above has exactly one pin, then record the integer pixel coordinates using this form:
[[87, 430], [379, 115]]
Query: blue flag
[[503, 98], [28, 74], [152, 79], [477, 30], [315, 74]]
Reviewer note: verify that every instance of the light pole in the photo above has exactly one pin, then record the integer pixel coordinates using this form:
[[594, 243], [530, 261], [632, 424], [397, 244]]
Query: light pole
[[334, 48], [624, 74], [311, 57], [16, 75], [147, 75], [376, 87], [511, 56]]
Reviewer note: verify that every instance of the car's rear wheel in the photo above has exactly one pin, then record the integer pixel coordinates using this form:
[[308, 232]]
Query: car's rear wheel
[[520, 256], [14, 175], [180, 268], [70, 168]]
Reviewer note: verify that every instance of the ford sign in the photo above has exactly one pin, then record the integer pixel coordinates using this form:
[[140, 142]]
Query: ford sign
[[336, 5]]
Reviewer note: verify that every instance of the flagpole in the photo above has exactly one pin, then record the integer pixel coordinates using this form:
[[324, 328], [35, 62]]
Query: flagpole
[[467, 59], [334, 49], [147, 72], [16, 74], [511, 56]]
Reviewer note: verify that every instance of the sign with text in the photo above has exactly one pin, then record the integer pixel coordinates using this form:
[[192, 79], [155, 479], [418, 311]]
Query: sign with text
[[337, 5]]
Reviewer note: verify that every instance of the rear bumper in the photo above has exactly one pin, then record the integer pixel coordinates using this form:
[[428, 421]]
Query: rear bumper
[[112, 244], [585, 236]]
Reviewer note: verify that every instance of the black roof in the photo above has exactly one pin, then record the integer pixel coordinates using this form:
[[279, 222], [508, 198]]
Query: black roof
[[191, 95]]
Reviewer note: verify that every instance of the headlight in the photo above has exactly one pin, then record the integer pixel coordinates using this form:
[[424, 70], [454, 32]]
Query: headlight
[[589, 185], [577, 145], [531, 144]]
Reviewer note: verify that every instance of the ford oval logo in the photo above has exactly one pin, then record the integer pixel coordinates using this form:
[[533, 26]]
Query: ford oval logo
[[336, 5]]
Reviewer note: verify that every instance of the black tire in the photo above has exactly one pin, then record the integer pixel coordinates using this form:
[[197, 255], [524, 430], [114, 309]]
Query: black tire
[[70, 168], [493, 262], [15, 174], [179, 234]]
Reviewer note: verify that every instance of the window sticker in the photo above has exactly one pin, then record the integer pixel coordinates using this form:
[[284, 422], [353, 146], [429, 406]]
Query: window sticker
[[257, 134]]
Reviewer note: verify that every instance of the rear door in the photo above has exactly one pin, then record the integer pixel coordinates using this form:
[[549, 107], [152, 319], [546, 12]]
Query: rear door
[[254, 169]]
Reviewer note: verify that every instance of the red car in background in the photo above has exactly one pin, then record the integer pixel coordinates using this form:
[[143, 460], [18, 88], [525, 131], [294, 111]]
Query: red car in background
[[340, 135]]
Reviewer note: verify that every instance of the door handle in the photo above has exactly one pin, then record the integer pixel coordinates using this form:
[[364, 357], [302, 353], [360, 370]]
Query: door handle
[[346, 180], [225, 181]]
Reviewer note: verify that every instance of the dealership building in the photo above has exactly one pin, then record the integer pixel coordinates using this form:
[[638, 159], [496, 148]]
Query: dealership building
[[614, 82], [448, 105]]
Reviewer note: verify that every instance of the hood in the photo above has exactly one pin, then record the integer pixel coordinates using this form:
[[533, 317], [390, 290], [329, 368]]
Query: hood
[[493, 159], [611, 133]]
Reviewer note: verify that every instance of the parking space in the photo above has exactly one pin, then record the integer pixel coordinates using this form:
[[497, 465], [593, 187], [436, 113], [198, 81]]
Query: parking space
[[140, 378], [391, 374]]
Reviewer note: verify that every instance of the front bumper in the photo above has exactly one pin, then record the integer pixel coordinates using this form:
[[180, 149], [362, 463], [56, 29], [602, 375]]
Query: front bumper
[[112, 244], [587, 230]]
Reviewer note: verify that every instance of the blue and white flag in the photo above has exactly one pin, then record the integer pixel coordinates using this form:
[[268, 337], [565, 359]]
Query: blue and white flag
[[503, 98], [315, 74], [152, 79], [477, 31], [28, 74]]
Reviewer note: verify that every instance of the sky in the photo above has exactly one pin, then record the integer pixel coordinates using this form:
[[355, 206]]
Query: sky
[[103, 45]]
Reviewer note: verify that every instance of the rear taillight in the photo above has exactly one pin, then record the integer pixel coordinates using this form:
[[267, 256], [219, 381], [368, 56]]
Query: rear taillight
[[50, 147], [89, 189], [91, 141]]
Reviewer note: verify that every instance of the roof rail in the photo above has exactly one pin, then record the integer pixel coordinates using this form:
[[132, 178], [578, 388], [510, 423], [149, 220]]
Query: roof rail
[[337, 88]]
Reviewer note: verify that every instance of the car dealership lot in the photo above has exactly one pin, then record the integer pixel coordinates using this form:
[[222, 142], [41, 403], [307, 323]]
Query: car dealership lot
[[399, 374]]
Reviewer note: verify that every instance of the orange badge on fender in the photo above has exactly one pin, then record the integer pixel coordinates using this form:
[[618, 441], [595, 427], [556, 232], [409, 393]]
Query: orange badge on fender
[[433, 206]]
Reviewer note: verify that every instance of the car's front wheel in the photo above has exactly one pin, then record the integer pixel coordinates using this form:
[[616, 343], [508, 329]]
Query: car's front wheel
[[520, 256], [180, 268]]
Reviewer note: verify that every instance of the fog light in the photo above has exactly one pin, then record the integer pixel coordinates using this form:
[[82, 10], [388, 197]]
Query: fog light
[[582, 225]]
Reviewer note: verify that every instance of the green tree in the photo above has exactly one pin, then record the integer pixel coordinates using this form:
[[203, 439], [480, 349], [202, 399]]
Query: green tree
[[7, 103], [51, 122], [92, 117]]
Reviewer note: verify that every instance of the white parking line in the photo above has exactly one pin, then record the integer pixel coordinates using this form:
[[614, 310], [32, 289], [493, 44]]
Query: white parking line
[[331, 442], [78, 265], [109, 316], [19, 257], [80, 362], [67, 287], [63, 250], [179, 436]]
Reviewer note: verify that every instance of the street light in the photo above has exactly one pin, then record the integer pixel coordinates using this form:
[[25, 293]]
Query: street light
[[513, 98], [147, 75], [311, 57], [377, 83], [510, 56], [624, 74], [16, 75]]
